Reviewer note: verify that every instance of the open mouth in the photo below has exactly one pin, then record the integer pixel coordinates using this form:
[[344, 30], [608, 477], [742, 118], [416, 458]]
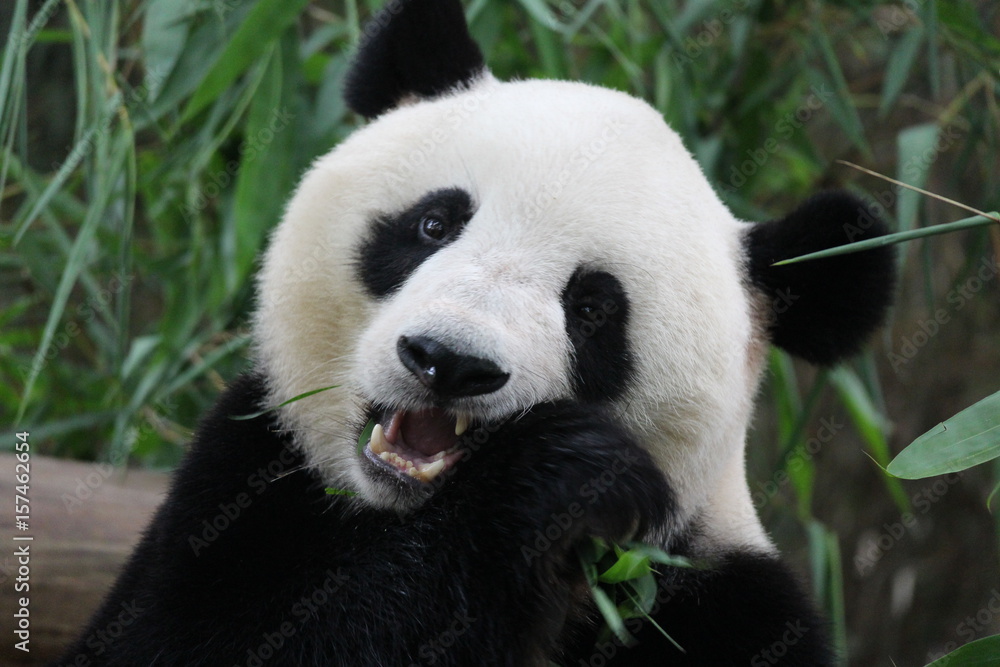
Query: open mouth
[[418, 445]]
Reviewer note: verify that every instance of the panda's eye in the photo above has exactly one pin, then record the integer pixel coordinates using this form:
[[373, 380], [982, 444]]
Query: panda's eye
[[585, 310], [433, 227]]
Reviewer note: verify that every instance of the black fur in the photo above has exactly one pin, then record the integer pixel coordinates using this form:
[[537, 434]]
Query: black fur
[[822, 310], [745, 609], [396, 246], [412, 47], [248, 557], [597, 309]]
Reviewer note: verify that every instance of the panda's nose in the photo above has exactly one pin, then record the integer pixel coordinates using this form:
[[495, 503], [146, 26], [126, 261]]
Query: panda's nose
[[446, 373]]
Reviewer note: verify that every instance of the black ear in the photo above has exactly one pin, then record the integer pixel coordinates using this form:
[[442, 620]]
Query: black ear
[[822, 310], [412, 47]]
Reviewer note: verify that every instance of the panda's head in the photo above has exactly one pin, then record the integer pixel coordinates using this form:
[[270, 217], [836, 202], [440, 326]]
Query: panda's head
[[482, 246]]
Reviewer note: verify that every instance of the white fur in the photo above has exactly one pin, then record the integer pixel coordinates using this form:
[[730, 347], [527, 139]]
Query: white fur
[[561, 174]]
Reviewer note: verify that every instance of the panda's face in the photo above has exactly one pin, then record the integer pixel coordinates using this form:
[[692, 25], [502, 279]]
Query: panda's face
[[462, 259]]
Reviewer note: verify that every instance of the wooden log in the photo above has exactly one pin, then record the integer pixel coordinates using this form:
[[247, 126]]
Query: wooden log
[[85, 518]]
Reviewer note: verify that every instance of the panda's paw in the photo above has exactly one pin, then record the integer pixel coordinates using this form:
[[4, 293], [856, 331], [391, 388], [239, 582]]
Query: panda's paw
[[573, 471]]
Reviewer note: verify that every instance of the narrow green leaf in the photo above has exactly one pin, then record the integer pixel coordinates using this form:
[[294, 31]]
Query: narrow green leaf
[[969, 438], [268, 166], [892, 239], [657, 555], [366, 434], [141, 348], [643, 610], [980, 653], [842, 107], [205, 363], [897, 71], [164, 33], [306, 394], [330, 491], [541, 13], [75, 264], [55, 186], [610, 613], [870, 423], [630, 565], [265, 23], [916, 149]]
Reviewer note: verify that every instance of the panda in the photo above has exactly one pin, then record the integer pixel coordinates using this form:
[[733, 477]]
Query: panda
[[558, 331]]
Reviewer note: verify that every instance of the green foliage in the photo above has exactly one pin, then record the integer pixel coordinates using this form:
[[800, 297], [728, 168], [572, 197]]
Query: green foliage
[[980, 653], [969, 438], [137, 192], [622, 583]]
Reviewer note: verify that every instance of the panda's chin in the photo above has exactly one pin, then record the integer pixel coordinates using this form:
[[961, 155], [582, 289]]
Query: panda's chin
[[416, 447]]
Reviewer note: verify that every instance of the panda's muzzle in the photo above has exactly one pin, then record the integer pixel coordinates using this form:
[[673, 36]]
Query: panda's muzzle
[[419, 445]]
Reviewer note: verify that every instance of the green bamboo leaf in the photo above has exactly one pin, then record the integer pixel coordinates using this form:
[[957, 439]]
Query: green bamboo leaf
[[306, 394], [657, 555], [541, 13], [366, 434], [899, 237], [969, 438], [980, 653], [842, 107], [330, 491], [916, 148], [610, 613], [265, 23], [207, 362], [897, 71], [268, 166], [142, 347], [630, 565], [164, 34], [870, 423]]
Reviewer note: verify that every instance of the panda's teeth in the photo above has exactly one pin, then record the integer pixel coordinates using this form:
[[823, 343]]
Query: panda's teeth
[[378, 443], [461, 424], [427, 471]]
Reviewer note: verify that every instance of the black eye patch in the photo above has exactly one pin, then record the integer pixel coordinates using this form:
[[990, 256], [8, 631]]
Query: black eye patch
[[597, 310], [401, 242]]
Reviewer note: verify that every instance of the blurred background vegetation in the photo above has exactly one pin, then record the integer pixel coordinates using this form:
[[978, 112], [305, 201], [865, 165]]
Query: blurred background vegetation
[[149, 147]]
